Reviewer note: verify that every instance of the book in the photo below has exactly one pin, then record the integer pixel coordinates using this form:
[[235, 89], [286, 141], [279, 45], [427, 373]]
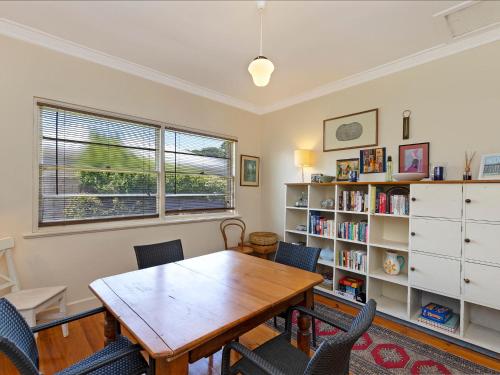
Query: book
[[450, 326]]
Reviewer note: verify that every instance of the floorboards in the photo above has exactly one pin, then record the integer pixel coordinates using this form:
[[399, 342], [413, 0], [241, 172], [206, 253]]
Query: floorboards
[[86, 337]]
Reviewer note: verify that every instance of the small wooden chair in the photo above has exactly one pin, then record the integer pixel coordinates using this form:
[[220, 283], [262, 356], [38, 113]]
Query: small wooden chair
[[30, 302], [241, 247]]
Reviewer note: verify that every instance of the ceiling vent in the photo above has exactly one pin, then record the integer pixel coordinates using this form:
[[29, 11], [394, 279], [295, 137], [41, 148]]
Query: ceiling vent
[[470, 16]]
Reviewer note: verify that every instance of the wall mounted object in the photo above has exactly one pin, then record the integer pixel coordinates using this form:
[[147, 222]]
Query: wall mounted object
[[414, 158], [344, 166], [372, 160], [406, 124], [249, 170], [490, 167], [351, 131]]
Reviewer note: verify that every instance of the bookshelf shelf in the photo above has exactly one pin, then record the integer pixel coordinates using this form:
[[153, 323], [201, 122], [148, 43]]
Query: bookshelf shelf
[[390, 215], [392, 306], [351, 270], [326, 262], [389, 244], [304, 233], [321, 236], [351, 241], [352, 212], [322, 209], [296, 208], [401, 279]]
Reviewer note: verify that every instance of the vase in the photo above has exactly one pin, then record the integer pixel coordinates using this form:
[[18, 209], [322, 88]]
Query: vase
[[393, 263]]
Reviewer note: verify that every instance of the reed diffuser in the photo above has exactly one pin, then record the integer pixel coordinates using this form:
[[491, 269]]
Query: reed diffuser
[[468, 161]]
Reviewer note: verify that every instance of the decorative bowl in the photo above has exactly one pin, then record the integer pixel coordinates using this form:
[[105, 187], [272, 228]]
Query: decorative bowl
[[408, 176]]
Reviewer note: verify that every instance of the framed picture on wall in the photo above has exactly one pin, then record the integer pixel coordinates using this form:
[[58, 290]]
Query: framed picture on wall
[[414, 158], [490, 167], [351, 131], [372, 160], [344, 166], [249, 170]]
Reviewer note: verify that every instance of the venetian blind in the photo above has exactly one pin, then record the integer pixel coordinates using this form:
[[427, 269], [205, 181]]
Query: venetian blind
[[198, 172], [95, 168]]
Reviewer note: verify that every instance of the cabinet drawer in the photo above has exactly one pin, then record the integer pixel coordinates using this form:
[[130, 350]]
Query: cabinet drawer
[[436, 200], [483, 202], [434, 273], [483, 284], [443, 237], [481, 242]]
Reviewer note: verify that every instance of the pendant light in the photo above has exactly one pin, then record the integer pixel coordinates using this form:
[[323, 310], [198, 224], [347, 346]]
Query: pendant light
[[261, 67]]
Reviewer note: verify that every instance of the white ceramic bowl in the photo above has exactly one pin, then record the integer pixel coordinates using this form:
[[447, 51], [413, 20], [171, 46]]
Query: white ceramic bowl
[[408, 176]]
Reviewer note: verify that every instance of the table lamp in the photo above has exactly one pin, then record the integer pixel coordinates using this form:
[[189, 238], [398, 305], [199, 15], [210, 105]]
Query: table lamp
[[303, 158]]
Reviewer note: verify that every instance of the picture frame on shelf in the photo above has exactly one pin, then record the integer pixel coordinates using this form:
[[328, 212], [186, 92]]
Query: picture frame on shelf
[[345, 166], [355, 130], [490, 167], [372, 160], [249, 170], [414, 158]]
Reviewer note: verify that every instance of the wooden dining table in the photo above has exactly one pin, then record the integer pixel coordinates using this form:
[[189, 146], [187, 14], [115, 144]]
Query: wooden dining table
[[184, 311]]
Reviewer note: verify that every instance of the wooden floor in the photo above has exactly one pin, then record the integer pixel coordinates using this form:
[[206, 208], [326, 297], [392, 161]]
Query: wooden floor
[[86, 337]]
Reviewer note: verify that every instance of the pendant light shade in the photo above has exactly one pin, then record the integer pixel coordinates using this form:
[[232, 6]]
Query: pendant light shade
[[261, 69]]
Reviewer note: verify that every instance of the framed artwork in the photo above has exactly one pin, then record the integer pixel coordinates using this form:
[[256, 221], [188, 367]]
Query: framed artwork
[[249, 170], [344, 166], [372, 160], [414, 158], [351, 131], [490, 167]]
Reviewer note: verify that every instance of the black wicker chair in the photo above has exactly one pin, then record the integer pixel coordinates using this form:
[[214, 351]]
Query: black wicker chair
[[18, 343], [279, 357], [158, 253], [302, 257]]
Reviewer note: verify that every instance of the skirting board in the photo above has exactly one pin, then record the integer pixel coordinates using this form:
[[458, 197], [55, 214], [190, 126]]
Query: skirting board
[[441, 336]]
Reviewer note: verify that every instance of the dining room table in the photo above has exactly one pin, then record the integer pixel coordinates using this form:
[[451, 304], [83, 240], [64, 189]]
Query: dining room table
[[184, 311]]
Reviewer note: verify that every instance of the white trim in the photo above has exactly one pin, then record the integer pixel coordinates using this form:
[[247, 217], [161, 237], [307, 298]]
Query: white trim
[[457, 45], [455, 8], [419, 58], [35, 36]]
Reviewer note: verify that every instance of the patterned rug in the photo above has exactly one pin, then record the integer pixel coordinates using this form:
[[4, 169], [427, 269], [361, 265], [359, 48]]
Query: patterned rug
[[382, 351]]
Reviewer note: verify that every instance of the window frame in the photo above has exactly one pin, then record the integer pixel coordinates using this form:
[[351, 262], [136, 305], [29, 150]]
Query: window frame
[[162, 216]]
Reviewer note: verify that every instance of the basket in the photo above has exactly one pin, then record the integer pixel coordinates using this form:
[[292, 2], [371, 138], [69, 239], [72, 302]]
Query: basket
[[263, 238]]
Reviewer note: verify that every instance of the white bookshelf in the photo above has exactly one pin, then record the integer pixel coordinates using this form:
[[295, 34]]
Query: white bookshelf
[[403, 295]]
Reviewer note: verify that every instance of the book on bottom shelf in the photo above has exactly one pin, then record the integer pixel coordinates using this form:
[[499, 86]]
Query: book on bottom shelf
[[450, 326]]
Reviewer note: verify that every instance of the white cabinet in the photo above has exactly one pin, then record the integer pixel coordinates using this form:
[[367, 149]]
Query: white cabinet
[[480, 284], [442, 237], [435, 273], [481, 243], [482, 202], [432, 200]]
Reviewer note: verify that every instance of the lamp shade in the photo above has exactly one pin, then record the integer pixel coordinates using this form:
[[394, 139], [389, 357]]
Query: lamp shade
[[261, 69], [303, 158]]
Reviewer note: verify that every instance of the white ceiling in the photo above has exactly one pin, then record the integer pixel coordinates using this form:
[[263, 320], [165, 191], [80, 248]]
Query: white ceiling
[[210, 43]]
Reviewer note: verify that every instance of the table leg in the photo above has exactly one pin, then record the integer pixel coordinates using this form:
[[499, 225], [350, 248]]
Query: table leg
[[178, 366], [110, 324], [304, 324]]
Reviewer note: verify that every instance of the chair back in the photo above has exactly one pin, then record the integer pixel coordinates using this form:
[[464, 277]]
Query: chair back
[[332, 356], [158, 253], [234, 222], [17, 341], [302, 257]]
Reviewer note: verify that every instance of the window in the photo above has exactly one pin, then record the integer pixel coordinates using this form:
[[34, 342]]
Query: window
[[95, 167], [198, 172]]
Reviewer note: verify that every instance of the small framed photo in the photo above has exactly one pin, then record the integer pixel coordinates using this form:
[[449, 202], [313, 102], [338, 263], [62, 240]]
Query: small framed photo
[[414, 158], [249, 170], [490, 167], [345, 166], [372, 160]]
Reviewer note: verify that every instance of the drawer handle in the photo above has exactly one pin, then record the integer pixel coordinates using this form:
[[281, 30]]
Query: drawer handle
[[467, 200], [412, 268], [466, 281], [412, 233], [467, 240], [413, 199]]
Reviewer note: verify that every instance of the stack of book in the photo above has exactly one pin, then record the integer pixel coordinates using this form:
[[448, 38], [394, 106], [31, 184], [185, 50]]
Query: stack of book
[[353, 231], [353, 259], [349, 287], [322, 226], [356, 201], [439, 316], [394, 201]]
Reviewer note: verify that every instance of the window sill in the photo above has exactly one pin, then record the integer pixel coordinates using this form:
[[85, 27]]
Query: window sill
[[65, 230]]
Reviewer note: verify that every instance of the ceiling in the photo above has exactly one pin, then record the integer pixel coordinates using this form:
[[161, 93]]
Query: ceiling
[[210, 43]]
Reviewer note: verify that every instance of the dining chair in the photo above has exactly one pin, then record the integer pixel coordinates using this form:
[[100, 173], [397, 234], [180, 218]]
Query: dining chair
[[279, 357], [17, 342], [158, 253], [240, 224], [302, 257]]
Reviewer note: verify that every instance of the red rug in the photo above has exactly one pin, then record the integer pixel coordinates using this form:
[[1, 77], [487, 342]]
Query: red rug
[[382, 351]]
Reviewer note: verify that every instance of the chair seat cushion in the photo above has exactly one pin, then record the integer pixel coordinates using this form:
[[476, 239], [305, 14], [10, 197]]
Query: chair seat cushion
[[280, 353], [28, 299], [133, 364]]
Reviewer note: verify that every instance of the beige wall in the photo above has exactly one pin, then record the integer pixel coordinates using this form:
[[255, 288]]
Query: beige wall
[[455, 104], [75, 260]]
